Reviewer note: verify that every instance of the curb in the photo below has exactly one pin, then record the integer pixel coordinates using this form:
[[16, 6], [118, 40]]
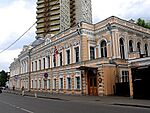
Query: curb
[[132, 105], [44, 96], [38, 96]]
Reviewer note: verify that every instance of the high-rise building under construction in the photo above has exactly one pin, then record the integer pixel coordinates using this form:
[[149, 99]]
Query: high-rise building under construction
[[54, 16]]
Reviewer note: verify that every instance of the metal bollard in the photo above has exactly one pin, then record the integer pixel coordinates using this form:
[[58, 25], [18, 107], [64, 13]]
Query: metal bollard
[[23, 93], [35, 94]]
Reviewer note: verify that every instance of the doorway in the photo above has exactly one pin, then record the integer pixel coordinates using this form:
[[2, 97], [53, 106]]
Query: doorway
[[140, 78], [92, 82]]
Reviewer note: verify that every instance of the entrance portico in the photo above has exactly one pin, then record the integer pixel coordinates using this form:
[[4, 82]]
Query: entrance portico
[[90, 74]]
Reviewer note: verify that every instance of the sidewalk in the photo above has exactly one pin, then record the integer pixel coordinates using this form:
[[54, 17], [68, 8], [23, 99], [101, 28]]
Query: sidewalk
[[108, 100]]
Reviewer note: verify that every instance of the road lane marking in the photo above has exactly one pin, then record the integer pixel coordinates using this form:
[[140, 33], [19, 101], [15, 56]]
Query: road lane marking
[[17, 107], [26, 110]]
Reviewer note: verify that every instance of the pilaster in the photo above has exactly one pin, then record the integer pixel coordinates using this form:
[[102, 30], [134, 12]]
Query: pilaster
[[84, 48], [130, 83], [100, 80]]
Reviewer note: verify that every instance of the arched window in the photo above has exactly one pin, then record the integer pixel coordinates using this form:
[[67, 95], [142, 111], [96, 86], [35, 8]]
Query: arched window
[[130, 46], [139, 47], [146, 50], [103, 49], [122, 52]]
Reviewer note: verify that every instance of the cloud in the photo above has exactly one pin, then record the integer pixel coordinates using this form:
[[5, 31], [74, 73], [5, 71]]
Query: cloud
[[136, 9], [125, 9], [16, 18], [8, 57]]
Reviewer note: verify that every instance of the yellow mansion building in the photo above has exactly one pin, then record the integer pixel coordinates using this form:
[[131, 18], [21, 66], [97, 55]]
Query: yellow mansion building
[[107, 58]]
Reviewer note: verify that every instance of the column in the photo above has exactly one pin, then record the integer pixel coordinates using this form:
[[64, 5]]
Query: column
[[100, 79], [130, 83], [84, 48], [83, 79]]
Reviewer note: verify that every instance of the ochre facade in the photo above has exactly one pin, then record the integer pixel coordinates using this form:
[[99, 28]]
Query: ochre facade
[[91, 59]]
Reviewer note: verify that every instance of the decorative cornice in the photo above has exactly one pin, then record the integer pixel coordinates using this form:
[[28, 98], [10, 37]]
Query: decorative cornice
[[52, 44]]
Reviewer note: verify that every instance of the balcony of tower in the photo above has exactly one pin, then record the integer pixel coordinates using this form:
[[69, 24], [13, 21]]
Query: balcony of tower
[[54, 23], [39, 26], [52, 15], [40, 21], [40, 16], [55, 7], [46, 31], [55, 12], [41, 6], [40, 31], [40, 11], [55, 28], [54, 3], [39, 2], [55, 17]]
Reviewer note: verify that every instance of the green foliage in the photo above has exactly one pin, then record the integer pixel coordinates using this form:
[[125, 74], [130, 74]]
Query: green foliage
[[141, 22], [3, 78]]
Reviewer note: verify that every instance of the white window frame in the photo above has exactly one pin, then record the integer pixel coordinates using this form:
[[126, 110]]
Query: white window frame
[[31, 83], [48, 83], [35, 83], [78, 74], [39, 64], [39, 83], [68, 84], [121, 76], [61, 77], [42, 82], [54, 83], [59, 58], [53, 61], [74, 54], [92, 45]]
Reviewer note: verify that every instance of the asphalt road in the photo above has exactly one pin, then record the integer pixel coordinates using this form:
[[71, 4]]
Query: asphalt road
[[10, 103]]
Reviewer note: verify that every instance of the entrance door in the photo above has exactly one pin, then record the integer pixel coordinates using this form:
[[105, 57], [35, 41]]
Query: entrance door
[[92, 82], [92, 86]]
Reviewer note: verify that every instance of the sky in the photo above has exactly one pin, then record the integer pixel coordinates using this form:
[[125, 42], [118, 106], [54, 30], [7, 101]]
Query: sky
[[16, 16]]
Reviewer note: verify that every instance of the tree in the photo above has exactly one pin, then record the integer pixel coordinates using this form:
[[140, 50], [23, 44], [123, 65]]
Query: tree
[[141, 22], [3, 78]]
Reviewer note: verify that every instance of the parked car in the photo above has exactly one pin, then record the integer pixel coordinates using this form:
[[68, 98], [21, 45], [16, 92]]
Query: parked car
[[3, 88]]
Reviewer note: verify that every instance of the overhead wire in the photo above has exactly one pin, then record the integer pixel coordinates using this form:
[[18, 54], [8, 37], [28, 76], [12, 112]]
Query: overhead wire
[[18, 38], [23, 33]]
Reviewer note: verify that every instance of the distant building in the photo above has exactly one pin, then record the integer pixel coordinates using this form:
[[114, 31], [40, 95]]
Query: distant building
[[14, 73], [110, 57], [54, 16]]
